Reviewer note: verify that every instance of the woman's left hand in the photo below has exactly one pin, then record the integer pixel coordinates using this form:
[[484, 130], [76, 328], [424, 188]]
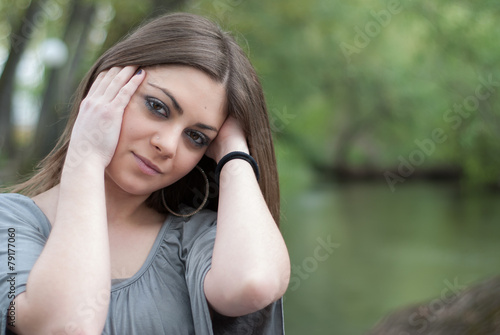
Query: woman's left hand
[[231, 137], [250, 262]]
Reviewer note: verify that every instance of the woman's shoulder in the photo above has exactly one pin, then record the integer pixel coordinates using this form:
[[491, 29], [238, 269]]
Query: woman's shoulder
[[15, 201], [15, 207]]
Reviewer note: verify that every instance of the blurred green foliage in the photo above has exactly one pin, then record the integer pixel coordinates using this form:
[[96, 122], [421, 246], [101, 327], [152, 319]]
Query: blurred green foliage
[[351, 85], [363, 82]]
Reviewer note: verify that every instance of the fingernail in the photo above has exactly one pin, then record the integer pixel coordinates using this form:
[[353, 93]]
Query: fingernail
[[139, 72]]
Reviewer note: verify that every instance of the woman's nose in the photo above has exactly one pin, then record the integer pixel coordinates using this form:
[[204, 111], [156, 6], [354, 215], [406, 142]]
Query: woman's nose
[[166, 143]]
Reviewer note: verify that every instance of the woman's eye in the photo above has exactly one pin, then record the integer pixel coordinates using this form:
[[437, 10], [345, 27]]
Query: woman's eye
[[198, 138], [157, 107]]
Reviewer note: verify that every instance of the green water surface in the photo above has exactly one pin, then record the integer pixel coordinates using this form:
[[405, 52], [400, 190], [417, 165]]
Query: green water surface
[[360, 251]]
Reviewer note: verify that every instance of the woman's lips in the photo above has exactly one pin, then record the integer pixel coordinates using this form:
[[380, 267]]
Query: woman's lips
[[146, 166]]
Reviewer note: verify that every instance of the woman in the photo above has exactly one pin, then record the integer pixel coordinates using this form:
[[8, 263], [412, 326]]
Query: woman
[[110, 236]]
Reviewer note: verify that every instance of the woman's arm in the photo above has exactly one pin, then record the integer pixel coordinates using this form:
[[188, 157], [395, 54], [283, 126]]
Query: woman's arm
[[69, 286], [250, 264]]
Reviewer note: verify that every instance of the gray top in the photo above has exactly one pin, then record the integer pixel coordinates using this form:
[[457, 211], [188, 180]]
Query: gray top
[[165, 296]]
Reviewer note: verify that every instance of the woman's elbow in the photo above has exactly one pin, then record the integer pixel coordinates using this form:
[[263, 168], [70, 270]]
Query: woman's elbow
[[259, 291], [247, 293]]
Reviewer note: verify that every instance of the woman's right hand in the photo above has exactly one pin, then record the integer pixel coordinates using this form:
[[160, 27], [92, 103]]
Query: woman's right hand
[[97, 128]]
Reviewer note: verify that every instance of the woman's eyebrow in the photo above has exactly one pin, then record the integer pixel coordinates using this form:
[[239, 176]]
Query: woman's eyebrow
[[168, 94], [207, 127]]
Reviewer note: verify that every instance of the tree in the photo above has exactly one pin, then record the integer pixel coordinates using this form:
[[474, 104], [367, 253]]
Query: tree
[[19, 40]]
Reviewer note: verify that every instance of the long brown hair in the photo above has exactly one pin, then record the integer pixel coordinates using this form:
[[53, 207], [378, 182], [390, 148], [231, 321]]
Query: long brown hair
[[191, 40]]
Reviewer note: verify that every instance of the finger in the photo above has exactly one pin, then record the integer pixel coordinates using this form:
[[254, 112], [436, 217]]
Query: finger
[[127, 91], [100, 87], [119, 81], [96, 83]]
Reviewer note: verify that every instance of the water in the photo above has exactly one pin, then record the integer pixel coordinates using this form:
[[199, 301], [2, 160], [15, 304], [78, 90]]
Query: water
[[360, 251]]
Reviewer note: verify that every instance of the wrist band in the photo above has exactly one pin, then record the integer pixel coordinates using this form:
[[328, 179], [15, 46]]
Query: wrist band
[[236, 155]]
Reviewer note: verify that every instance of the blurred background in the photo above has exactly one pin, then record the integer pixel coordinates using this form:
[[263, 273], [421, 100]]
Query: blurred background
[[386, 121]]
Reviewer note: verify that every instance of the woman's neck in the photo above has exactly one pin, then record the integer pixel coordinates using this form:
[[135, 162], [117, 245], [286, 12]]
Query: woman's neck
[[125, 208]]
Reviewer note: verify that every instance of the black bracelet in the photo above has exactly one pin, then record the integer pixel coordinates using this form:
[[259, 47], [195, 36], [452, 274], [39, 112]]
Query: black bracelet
[[234, 155]]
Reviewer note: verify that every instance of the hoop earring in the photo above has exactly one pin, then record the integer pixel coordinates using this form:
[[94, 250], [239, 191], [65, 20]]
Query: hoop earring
[[207, 188]]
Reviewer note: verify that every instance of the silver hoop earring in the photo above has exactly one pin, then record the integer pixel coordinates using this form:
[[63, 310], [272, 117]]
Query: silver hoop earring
[[207, 189]]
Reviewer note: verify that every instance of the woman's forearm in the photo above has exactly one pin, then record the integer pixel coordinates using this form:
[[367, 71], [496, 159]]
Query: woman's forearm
[[69, 285], [250, 265]]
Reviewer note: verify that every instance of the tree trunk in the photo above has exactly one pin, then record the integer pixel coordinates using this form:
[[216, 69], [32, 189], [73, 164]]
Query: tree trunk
[[18, 41]]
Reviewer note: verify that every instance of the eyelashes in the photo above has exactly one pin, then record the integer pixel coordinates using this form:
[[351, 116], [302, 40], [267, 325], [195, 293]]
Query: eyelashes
[[160, 109]]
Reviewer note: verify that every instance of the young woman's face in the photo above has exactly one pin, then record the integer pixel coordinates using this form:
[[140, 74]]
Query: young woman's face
[[171, 119]]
